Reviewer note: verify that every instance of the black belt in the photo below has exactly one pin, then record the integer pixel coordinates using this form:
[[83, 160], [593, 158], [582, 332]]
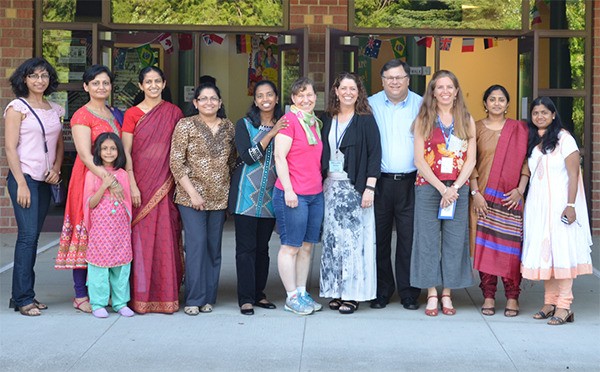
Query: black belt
[[399, 176]]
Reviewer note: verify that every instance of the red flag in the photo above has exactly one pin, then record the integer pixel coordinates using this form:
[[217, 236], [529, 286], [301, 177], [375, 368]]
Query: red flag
[[489, 42], [185, 42], [468, 44], [166, 40], [424, 41], [217, 38]]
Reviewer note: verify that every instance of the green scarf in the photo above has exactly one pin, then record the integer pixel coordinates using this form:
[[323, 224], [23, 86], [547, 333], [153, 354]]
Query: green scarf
[[307, 120]]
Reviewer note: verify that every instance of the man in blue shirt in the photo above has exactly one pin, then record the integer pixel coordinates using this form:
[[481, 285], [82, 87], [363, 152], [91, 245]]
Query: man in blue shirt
[[394, 109]]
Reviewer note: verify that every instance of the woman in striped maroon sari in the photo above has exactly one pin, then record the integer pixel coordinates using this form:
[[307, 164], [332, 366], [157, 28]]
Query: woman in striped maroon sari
[[497, 186]]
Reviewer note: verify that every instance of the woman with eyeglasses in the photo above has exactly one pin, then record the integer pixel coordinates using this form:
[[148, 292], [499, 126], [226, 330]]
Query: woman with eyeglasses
[[202, 158], [34, 159], [87, 123], [155, 226]]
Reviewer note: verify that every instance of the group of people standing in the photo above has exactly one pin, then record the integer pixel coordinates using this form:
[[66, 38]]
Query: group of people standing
[[346, 178]]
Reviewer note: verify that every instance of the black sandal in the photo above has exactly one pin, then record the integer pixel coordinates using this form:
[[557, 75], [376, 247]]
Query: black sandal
[[542, 315], [30, 310], [335, 304], [351, 306]]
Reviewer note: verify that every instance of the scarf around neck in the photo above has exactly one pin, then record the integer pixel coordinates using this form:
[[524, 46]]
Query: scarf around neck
[[307, 120]]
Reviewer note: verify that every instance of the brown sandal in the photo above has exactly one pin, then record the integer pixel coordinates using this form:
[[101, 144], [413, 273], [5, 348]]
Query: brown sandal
[[30, 310]]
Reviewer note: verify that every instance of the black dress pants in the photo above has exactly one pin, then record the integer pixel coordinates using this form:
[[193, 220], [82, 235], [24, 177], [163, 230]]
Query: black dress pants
[[252, 260], [394, 202]]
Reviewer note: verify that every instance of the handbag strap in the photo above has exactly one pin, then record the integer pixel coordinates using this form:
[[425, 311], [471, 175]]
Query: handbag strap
[[43, 131], [39, 121]]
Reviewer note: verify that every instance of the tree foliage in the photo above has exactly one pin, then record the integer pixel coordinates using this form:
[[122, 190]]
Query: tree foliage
[[199, 12], [444, 14]]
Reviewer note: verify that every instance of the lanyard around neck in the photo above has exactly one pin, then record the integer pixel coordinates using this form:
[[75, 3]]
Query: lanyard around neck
[[450, 131], [338, 142]]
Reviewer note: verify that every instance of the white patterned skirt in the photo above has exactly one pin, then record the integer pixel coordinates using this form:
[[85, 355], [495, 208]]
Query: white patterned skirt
[[348, 266]]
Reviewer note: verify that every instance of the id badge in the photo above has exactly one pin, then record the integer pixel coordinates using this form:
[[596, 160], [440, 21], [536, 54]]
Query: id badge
[[446, 166], [336, 166], [454, 143], [447, 213]]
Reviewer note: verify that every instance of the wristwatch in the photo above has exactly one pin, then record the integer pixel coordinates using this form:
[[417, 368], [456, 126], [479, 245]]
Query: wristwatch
[[474, 192]]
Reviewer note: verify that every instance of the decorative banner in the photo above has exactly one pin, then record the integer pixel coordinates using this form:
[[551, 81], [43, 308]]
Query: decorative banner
[[166, 40], [364, 64], [424, 41], [372, 48], [271, 39], [146, 55], [490, 42], [468, 44], [445, 43], [399, 47], [534, 13], [213, 38], [243, 44], [262, 61], [185, 42]]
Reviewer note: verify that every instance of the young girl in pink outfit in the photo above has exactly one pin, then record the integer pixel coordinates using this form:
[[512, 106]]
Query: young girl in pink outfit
[[109, 251]]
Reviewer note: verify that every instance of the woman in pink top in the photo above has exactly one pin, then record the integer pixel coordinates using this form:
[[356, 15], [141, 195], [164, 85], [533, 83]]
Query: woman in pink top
[[298, 195], [32, 168]]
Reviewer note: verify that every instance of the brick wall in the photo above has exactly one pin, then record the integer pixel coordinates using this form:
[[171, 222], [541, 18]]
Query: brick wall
[[317, 15], [16, 45], [595, 192]]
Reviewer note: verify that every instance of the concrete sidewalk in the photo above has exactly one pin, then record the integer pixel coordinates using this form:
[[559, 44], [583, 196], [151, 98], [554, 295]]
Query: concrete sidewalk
[[274, 340]]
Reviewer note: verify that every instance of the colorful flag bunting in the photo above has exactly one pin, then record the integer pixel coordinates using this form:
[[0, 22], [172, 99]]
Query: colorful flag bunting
[[399, 47], [372, 48], [490, 42], [424, 41], [243, 44], [534, 15], [146, 55], [271, 39], [166, 40], [445, 43], [468, 44]]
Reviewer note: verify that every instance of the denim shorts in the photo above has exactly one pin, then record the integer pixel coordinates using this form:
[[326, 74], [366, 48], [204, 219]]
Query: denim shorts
[[300, 224]]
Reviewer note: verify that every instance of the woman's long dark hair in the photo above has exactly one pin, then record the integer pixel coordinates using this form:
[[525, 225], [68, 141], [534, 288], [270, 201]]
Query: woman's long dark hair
[[254, 112], [120, 160], [550, 138]]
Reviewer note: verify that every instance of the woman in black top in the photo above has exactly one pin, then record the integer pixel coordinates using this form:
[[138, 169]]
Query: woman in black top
[[351, 164]]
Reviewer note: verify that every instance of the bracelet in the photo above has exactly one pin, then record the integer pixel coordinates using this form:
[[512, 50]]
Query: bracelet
[[369, 187], [572, 205]]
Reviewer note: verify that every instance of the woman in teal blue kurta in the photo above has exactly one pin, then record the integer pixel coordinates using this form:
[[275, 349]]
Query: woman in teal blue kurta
[[252, 191]]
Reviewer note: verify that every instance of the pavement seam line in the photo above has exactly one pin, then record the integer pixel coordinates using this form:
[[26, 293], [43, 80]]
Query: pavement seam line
[[302, 345], [487, 324], [39, 251], [93, 343]]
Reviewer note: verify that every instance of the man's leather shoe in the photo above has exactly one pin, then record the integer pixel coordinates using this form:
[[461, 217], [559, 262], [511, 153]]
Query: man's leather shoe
[[378, 303], [410, 303]]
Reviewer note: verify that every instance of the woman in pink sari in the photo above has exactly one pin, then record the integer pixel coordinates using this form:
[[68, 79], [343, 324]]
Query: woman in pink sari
[[156, 229]]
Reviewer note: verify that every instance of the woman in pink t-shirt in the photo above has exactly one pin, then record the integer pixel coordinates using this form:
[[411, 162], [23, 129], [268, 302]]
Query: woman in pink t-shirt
[[298, 195], [34, 158]]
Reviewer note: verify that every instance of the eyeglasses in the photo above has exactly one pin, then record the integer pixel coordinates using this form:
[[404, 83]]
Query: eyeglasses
[[44, 77], [206, 99], [394, 78]]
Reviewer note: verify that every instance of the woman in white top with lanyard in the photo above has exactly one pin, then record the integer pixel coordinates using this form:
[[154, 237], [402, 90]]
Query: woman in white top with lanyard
[[351, 164]]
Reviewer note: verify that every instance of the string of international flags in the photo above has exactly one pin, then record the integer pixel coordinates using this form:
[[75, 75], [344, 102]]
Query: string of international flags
[[398, 44]]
